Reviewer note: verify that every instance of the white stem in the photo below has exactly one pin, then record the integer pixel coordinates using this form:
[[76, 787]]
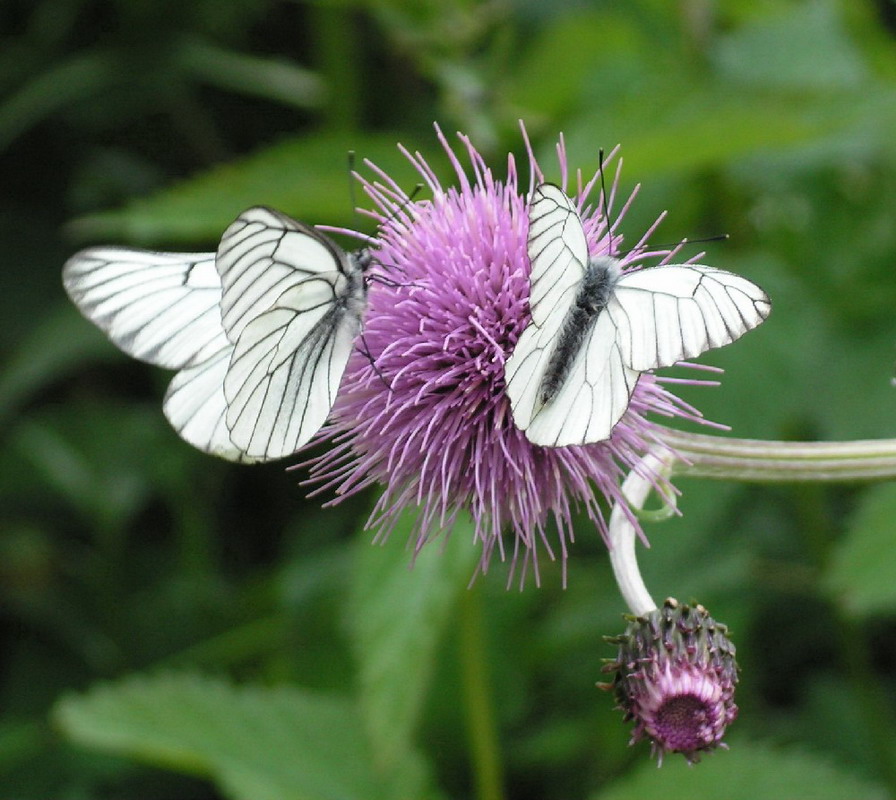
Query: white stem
[[622, 534]]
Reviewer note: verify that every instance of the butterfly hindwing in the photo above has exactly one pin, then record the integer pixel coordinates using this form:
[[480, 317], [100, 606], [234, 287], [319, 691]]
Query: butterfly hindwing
[[196, 408], [592, 398], [286, 369]]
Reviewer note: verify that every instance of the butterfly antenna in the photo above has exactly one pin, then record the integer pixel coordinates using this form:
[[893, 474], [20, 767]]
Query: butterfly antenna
[[405, 203], [719, 237], [675, 247], [603, 200]]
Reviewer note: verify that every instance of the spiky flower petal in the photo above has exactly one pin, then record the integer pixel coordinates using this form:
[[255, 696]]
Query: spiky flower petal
[[675, 674], [422, 408]]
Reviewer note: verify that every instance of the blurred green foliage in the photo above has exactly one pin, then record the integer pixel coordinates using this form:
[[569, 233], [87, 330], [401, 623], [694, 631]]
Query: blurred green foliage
[[177, 627]]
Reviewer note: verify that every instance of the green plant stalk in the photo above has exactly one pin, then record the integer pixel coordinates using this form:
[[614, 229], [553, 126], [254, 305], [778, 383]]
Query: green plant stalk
[[336, 60], [762, 461], [482, 733]]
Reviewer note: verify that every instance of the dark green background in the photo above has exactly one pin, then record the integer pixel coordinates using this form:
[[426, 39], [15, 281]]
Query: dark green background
[[250, 644]]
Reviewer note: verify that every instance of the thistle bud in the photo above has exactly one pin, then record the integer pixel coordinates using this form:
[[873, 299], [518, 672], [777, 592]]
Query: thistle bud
[[675, 674]]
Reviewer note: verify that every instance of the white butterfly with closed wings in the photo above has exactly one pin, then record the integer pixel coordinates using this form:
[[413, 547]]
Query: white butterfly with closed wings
[[595, 328], [260, 332]]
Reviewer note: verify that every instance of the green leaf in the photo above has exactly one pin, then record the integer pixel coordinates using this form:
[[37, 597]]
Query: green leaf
[[256, 743], [562, 61], [679, 124], [306, 177], [271, 79], [784, 51], [75, 80], [85, 453], [860, 571], [746, 772], [397, 615]]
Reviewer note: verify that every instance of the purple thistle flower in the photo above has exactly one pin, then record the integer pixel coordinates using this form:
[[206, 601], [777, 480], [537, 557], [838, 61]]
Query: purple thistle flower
[[675, 677], [422, 408]]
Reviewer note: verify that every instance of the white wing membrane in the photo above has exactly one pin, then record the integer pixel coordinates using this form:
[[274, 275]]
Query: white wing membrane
[[162, 308], [196, 408], [262, 254], [593, 397], [652, 318], [286, 370], [260, 332], [288, 360], [669, 313], [558, 253]]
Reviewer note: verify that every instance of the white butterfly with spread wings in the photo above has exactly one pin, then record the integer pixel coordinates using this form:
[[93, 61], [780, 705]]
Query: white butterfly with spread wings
[[595, 328], [260, 332]]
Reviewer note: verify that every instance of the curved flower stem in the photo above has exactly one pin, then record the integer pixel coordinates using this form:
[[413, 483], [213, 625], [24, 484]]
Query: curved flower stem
[[762, 461], [700, 455], [651, 470], [482, 730]]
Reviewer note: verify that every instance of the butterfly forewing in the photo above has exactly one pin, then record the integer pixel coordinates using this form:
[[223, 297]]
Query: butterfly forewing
[[262, 254], [669, 313], [558, 253], [162, 308]]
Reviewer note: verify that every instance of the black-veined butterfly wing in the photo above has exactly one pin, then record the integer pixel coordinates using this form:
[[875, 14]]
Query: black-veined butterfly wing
[[292, 304], [164, 308], [652, 318], [669, 313], [271, 317], [558, 254]]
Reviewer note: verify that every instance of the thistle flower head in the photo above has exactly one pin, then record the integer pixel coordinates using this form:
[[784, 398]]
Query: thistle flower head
[[675, 675], [422, 408]]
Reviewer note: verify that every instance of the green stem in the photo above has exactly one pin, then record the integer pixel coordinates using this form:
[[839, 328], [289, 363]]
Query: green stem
[[762, 461], [696, 454], [336, 55], [482, 733], [765, 461]]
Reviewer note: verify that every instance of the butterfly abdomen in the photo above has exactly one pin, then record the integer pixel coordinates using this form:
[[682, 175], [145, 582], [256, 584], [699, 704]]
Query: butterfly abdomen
[[592, 297]]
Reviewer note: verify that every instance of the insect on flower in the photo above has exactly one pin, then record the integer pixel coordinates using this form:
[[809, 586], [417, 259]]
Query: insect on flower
[[262, 335], [427, 414], [260, 332], [596, 326]]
